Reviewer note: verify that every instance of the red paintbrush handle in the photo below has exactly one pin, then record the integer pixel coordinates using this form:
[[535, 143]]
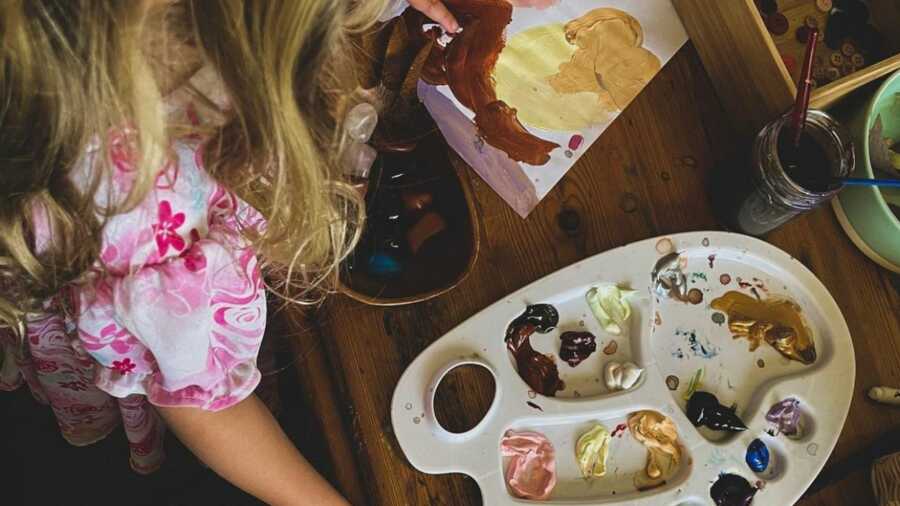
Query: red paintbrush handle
[[801, 105]]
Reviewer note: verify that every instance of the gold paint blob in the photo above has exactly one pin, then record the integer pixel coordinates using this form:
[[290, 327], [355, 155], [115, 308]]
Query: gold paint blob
[[658, 433], [592, 451], [609, 61], [522, 80], [775, 321]]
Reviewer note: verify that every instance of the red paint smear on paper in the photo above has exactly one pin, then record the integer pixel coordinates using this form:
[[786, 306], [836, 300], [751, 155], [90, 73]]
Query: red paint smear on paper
[[619, 430]]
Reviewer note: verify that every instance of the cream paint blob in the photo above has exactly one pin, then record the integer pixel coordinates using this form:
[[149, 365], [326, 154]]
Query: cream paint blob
[[592, 450], [523, 81]]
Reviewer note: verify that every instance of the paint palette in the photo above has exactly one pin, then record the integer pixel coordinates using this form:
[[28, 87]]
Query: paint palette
[[674, 338]]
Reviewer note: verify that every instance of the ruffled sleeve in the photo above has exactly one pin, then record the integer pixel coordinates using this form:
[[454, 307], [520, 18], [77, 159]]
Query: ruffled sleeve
[[184, 328]]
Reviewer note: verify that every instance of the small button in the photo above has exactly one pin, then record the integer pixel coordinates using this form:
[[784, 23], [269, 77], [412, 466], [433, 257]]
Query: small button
[[836, 59], [767, 7], [848, 49], [811, 21], [832, 74], [857, 60], [818, 73], [824, 5], [777, 24], [847, 68]]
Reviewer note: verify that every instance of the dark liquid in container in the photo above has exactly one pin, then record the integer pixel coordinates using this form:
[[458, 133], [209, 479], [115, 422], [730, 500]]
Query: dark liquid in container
[[806, 164], [743, 202]]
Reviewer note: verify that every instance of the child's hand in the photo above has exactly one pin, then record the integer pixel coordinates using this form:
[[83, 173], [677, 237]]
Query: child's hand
[[436, 10]]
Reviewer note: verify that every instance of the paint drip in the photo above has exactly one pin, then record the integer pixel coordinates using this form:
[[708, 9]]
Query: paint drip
[[611, 348], [574, 347], [757, 457], [704, 409], [609, 303], [732, 490], [531, 473], [669, 280], [592, 450], [786, 416], [672, 382], [539, 371], [693, 384], [658, 433], [777, 322]]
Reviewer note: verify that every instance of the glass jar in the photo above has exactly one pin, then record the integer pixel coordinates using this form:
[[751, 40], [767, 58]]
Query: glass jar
[[757, 199]]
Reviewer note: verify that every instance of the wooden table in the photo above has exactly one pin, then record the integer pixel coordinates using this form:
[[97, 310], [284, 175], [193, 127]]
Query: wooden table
[[644, 177]]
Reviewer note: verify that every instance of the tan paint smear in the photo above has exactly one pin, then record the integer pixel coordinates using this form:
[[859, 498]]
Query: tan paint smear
[[658, 433], [774, 321], [609, 60], [522, 80]]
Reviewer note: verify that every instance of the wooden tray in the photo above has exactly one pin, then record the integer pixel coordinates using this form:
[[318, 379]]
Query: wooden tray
[[744, 60], [448, 258]]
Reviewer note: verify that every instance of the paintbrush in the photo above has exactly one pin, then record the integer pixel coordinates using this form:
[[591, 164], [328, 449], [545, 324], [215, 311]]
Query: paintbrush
[[801, 103], [862, 181]]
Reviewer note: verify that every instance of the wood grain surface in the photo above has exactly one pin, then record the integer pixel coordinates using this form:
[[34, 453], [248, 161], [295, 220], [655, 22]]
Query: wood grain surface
[[645, 176]]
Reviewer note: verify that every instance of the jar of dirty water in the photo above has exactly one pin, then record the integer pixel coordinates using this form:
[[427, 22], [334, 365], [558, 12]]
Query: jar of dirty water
[[783, 180]]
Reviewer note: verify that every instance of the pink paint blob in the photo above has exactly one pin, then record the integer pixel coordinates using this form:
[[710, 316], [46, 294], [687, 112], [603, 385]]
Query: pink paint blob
[[531, 473], [575, 142]]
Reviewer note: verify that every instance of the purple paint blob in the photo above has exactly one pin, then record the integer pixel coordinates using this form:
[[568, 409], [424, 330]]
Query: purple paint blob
[[786, 416], [574, 347]]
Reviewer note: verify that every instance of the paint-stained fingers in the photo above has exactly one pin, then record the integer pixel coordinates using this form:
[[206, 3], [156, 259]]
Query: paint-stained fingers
[[437, 11]]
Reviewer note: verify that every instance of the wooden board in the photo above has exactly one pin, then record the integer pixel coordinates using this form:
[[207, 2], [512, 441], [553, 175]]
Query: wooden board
[[646, 176], [746, 63]]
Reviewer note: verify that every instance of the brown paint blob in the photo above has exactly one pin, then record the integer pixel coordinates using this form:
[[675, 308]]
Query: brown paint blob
[[611, 348], [672, 382], [658, 433], [760, 363], [468, 63], [538, 370], [695, 296], [778, 322], [724, 279]]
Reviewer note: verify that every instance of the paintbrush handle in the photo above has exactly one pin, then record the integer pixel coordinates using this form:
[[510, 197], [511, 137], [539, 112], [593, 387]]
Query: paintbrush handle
[[861, 181], [801, 104]]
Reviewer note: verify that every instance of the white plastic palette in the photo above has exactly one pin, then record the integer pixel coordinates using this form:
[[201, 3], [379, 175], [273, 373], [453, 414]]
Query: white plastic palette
[[754, 381]]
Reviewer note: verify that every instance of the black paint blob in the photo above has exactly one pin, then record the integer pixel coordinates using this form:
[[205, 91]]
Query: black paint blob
[[576, 346], [703, 408], [732, 490], [544, 317]]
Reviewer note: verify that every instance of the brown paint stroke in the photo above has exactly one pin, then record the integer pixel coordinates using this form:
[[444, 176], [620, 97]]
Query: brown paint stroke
[[466, 65], [538, 370]]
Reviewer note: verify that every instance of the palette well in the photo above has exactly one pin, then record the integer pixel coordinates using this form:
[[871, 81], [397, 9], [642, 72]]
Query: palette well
[[675, 334]]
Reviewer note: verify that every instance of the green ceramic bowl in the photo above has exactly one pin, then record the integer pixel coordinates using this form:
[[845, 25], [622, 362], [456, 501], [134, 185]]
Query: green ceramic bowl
[[864, 211]]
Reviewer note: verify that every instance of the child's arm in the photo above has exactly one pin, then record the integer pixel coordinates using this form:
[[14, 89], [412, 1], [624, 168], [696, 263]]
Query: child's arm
[[246, 446]]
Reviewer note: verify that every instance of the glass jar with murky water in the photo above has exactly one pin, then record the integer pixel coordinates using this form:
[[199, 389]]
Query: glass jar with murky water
[[783, 180]]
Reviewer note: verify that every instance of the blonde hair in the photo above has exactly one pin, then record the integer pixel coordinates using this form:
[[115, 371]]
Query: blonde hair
[[73, 70]]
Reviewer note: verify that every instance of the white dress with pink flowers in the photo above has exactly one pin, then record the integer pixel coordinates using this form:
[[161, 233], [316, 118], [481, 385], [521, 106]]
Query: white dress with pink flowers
[[174, 317]]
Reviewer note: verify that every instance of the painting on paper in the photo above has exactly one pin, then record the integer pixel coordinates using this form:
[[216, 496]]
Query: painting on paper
[[528, 85]]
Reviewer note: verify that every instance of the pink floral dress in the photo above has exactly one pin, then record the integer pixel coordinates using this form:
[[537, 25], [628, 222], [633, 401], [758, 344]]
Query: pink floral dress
[[175, 317]]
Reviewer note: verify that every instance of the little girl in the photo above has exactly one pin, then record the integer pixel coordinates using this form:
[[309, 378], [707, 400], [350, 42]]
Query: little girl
[[161, 162]]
